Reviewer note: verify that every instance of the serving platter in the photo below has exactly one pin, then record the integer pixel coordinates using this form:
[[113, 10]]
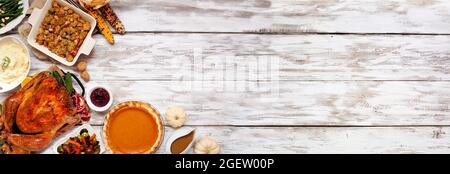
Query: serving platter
[[55, 98], [11, 25], [75, 132]]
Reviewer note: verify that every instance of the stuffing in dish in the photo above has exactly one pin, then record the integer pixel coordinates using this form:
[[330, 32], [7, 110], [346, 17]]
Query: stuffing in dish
[[63, 31]]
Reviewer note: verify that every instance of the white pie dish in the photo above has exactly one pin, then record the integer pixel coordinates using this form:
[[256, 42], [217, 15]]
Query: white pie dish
[[38, 15]]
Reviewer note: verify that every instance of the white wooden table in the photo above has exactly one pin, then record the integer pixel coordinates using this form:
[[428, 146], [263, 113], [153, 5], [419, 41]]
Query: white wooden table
[[364, 76]]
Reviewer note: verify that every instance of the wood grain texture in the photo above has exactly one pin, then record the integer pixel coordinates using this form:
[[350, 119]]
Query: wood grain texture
[[366, 76], [246, 57], [370, 80], [285, 16], [296, 103], [322, 139], [353, 103]]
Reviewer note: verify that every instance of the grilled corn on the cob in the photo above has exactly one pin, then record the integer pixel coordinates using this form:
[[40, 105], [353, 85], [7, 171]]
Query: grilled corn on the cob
[[112, 18]]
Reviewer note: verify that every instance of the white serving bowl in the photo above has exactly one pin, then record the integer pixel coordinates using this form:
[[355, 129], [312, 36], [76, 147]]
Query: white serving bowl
[[89, 102], [11, 25], [5, 87], [36, 18]]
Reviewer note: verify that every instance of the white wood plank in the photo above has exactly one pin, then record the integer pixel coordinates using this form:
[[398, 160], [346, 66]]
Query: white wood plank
[[329, 140], [353, 103], [293, 57], [286, 16], [301, 97], [323, 139], [293, 103]]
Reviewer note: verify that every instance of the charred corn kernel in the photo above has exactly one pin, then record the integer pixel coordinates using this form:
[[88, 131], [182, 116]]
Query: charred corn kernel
[[102, 25], [112, 18]]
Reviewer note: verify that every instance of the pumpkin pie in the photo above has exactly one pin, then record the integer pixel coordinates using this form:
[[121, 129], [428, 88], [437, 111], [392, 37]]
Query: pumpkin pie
[[133, 128]]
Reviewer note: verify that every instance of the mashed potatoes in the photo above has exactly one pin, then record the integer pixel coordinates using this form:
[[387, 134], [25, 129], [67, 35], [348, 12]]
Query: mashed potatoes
[[14, 62]]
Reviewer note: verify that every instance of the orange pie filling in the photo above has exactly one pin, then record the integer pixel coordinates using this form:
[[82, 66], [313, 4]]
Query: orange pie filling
[[132, 130]]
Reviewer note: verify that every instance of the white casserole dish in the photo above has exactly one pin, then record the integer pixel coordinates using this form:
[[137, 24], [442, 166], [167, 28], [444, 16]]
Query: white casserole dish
[[36, 18]]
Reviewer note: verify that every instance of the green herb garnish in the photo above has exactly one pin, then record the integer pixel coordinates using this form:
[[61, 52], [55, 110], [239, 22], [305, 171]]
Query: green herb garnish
[[57, 77], [66, 81], [6, 62]]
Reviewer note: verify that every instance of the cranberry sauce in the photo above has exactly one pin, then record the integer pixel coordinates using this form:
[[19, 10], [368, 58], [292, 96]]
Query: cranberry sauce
[[100, 97]]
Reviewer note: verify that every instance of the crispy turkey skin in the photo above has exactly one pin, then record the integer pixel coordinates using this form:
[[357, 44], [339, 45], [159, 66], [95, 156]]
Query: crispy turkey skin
[[38, 112]]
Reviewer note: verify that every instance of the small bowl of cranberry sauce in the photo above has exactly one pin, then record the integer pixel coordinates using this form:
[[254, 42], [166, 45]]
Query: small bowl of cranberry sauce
[[99, 98]]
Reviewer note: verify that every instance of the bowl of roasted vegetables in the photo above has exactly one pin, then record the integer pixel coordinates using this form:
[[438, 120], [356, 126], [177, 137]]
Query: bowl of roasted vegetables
[[12, 13], [62, 31], [83, 140]]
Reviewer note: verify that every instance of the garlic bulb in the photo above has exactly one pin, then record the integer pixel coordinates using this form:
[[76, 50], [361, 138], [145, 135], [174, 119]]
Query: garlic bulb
[[96, 4], [175, 116], [207, 145]]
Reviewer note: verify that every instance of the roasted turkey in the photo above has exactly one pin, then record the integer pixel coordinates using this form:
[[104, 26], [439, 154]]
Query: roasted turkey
[[36, 114]]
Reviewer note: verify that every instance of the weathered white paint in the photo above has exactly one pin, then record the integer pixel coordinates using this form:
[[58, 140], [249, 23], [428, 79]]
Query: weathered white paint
[[295, 103], [322, 139], [297, 57], [308, 91], [290, 103], [400, 83], [286, 16]]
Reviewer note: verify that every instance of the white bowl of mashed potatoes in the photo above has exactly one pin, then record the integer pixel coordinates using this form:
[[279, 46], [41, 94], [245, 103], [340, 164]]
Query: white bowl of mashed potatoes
[[14, 63]]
